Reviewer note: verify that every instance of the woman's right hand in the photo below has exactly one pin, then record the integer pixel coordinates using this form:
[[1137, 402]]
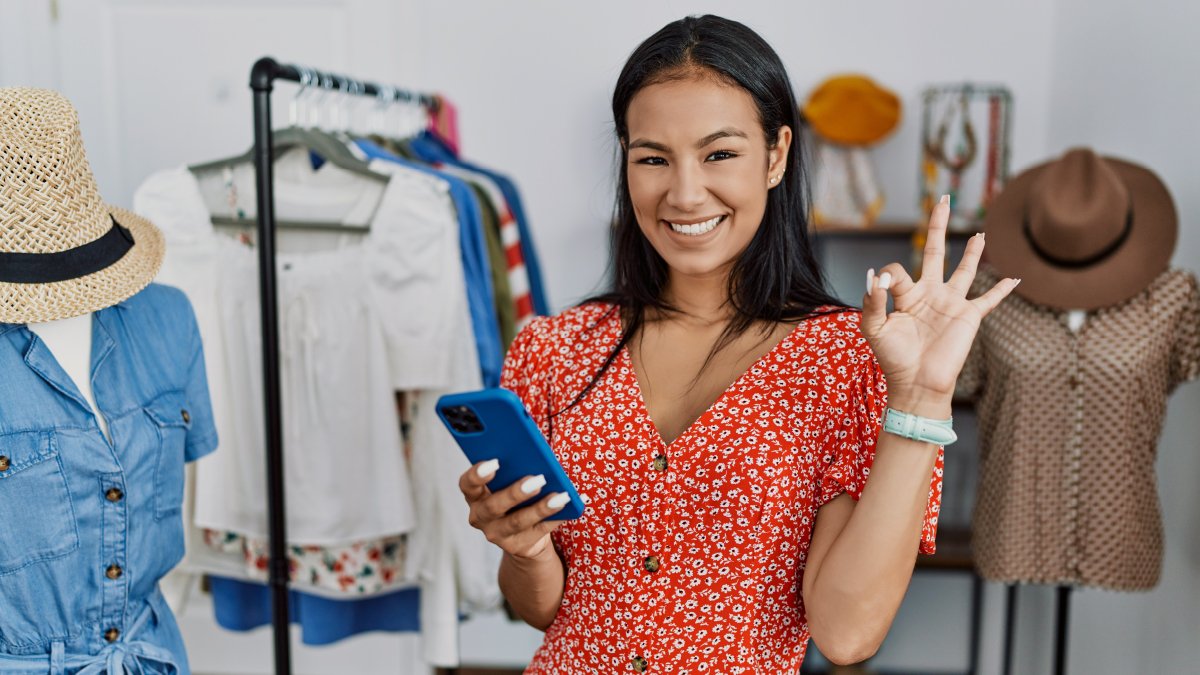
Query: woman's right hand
[[524, 533]]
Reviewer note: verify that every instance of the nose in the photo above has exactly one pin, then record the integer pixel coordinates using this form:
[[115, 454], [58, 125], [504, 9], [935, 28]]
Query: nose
[[686, 191]]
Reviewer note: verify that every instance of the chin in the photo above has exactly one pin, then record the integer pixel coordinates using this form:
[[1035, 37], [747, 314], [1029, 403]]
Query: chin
[[697, 266]]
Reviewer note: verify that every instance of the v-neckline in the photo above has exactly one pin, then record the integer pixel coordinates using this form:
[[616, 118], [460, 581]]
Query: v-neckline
[[644, 410]]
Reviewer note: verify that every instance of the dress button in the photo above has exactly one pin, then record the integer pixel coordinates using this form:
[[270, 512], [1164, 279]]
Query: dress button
[[187, 417], [3, 463], [112, 634], [114, 572], [652, 564], [114, 494], [660, 463], [1074, 382], [639, 664]]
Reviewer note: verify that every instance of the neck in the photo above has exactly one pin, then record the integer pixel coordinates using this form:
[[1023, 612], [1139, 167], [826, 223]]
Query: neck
[[703, 299]]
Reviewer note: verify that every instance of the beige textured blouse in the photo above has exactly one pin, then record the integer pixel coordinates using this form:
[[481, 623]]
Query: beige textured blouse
[[1068, 426]]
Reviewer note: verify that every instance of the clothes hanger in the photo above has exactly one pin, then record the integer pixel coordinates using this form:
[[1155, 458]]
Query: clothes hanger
[[325, 144]]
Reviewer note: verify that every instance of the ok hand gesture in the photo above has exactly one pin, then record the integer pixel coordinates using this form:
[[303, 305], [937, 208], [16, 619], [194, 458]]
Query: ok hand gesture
[[922, 345]]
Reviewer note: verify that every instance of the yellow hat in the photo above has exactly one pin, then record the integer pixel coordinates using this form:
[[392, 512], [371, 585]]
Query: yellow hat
[[852, 110]]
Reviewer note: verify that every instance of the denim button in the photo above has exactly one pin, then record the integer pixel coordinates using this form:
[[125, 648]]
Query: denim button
[[112, 634], [114, 494], [187, 418], [113, 572], [3, 463]]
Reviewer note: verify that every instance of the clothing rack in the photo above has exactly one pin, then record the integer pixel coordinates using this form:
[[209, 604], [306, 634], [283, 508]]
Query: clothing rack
[[1062, 611], [262, 77]]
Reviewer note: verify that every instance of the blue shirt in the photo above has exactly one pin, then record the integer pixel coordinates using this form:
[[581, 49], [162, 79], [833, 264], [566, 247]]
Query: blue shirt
[[476, 268], [429, 148], [88, 527]]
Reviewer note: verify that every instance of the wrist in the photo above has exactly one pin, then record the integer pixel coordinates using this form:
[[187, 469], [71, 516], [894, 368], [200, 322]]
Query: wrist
[[534, 559], [921, 403]]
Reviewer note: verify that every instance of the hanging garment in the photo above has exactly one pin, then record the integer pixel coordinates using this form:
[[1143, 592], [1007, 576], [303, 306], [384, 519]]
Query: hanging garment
[[448, 359], [1069, 424], [474, 261], [502, 291], [348, 572], [242, 606], [87, 528], [504, 247], [433, 148], [705, 536]]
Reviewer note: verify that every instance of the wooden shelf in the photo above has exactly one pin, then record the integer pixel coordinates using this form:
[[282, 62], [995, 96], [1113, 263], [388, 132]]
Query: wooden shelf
[[884, 229], [953, 552]]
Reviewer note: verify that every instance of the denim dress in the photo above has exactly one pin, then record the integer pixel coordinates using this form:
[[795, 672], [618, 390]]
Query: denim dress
[[88, 527]]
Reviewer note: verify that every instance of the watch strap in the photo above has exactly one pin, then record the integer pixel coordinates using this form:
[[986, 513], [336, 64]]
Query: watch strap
[[917, 428]]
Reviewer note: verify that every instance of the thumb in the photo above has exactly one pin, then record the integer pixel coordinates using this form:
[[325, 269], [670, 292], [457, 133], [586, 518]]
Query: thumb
[[875, 303]]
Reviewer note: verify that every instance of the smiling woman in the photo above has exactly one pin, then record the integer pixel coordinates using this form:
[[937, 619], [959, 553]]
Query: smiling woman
[[719, 408]]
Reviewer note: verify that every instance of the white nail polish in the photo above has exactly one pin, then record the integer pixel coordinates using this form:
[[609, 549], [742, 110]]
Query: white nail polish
[[532, 485], [870, 279], [558, 501], [945, 199], [885, 280], [488, 468]]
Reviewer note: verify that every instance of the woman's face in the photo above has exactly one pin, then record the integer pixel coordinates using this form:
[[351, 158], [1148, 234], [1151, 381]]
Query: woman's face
[[699, 170]]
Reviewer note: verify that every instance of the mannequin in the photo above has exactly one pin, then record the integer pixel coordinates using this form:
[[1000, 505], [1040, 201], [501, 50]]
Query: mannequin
[[88, 527], [70, 340], [1092, 238]]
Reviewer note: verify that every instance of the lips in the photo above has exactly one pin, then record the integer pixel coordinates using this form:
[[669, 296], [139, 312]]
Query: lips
[[696, 229]]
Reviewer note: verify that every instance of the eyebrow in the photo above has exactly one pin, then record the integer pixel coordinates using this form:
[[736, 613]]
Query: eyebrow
[[727, 132]]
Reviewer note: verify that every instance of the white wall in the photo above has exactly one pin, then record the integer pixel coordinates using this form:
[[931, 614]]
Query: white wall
[[1124, 77], [532, 79]]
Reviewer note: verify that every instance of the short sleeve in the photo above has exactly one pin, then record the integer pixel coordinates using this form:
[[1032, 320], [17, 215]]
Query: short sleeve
[[526, 371], [202, 434], [851, 447], [1185, 350]]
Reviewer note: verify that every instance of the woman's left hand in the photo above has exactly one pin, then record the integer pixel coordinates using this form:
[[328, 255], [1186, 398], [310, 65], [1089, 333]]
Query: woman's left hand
[[922, 345]]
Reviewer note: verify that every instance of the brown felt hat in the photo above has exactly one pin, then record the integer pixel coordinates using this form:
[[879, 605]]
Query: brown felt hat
[[63, 251], [1082, 231]]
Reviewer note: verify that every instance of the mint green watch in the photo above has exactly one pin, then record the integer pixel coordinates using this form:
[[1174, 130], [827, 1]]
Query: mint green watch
[[924, 429]]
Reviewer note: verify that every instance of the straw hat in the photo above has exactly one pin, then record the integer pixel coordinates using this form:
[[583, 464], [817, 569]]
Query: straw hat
[[1082, 231], [852, 110], [63, 251]]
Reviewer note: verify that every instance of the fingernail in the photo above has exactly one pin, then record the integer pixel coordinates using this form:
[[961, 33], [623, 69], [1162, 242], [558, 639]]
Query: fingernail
[[885, 280], [532, 485], [488, 468], [870, 279], [1017, 284], [945, 199], [559, 500]]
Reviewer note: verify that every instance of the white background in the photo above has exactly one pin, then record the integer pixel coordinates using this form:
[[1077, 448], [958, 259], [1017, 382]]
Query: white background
[[161, 83]]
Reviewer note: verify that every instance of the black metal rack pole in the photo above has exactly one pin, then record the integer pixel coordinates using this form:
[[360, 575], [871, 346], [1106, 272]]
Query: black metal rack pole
[[262, 77]]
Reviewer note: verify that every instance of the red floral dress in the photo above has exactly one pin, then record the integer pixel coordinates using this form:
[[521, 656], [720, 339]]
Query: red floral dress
[[689, 556]]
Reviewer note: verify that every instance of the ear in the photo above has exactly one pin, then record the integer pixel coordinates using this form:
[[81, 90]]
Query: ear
[[777, 155]]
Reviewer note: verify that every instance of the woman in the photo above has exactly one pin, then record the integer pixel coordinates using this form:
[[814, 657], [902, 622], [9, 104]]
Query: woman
[[720, 410]]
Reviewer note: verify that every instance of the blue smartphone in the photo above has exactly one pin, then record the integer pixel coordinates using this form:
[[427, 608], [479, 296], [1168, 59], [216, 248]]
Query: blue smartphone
[[493, 424]]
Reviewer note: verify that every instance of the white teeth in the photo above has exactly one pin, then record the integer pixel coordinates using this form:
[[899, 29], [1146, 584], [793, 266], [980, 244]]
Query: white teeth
[[698, 228]]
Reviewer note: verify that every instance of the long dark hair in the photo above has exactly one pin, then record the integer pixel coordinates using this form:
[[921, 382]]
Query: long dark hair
[[777, 278]]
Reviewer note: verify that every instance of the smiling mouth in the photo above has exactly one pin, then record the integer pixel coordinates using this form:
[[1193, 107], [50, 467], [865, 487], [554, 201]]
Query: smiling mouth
[[695, 229]]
